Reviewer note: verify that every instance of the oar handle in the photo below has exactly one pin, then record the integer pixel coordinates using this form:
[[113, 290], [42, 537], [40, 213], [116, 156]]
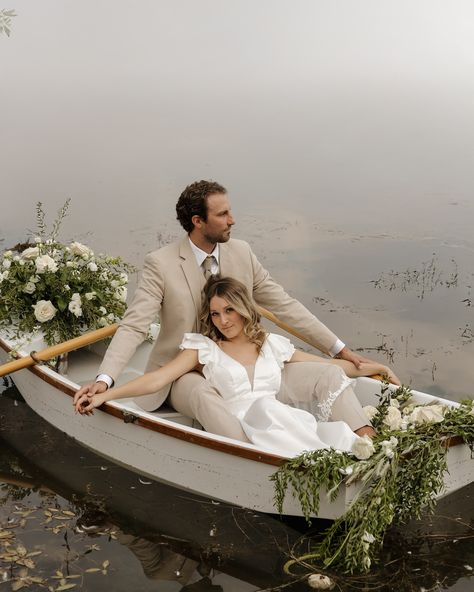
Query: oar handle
[[58, 349]]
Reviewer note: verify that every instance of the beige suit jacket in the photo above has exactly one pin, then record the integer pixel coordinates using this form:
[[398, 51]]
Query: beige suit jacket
[[171, 285]]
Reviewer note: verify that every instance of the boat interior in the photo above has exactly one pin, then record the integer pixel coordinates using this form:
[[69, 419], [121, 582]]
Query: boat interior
[[82, 367]]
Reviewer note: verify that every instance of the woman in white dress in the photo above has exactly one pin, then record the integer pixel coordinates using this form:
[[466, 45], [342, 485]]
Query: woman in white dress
[[243, 362]]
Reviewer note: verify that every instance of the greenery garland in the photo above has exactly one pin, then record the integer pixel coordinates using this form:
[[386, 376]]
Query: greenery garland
[[400, 473]]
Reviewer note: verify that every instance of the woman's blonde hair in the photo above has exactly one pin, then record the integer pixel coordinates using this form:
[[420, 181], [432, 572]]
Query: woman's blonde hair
[[238, 297]]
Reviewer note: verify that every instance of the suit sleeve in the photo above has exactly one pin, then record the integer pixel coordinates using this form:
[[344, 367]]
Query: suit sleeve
[[271, 295], [133, 328]]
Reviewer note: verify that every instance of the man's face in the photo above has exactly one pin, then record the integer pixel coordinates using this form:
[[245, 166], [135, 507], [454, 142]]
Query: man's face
[[216, 229]]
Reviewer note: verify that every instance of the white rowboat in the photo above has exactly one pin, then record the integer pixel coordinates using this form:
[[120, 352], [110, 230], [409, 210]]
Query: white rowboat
[[168, 447]]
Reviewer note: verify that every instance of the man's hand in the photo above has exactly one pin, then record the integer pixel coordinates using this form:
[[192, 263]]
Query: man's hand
[[350, 356], [94, 388]]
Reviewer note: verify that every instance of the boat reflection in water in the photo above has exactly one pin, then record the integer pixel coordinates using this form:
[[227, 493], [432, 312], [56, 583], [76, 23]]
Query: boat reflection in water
[[183, 541]]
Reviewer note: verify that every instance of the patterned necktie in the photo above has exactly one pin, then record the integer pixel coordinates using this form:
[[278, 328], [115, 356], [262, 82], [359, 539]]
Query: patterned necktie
[[207, 266]]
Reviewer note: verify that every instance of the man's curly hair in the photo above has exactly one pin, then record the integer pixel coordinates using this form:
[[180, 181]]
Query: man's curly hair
[[193, 202]]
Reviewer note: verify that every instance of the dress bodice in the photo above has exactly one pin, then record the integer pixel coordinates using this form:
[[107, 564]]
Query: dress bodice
[[231, 378]]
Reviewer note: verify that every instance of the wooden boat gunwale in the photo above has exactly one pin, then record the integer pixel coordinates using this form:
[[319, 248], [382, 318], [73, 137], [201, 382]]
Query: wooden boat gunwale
[[159, 424]]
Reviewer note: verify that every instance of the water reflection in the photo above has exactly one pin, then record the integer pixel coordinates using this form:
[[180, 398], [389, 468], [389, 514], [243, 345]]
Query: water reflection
[[75, 518]]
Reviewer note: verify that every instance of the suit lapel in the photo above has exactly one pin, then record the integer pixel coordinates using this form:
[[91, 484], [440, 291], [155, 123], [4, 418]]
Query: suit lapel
[[192, 273], [225, 260]]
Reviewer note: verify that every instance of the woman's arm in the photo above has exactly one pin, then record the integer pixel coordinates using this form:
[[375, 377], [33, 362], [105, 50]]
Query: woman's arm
[[185, 361], [365, 368]]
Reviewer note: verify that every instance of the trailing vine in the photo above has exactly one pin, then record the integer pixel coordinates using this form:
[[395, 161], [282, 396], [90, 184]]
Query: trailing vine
[[400, 473]]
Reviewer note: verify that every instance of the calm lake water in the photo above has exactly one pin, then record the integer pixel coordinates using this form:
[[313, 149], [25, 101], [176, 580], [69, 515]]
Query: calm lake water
[[344, 134]]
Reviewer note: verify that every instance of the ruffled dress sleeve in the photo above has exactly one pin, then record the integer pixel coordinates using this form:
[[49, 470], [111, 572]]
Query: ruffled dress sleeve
[[281, 348], [204, 345]]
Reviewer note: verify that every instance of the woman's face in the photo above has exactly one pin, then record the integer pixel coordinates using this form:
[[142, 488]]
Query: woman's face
[[225, 318]]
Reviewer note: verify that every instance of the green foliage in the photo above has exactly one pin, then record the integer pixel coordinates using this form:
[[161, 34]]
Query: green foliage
[[397, 482], [62, 290]]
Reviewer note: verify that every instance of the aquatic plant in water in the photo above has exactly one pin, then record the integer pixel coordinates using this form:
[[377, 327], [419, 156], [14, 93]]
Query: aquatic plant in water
[[400, 473]]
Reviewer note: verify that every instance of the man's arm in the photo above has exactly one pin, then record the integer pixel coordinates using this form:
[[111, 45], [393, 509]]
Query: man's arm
[[133, 328]]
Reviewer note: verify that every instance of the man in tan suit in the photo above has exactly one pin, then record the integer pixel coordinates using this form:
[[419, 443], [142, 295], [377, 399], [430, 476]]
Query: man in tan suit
[[171, 285]]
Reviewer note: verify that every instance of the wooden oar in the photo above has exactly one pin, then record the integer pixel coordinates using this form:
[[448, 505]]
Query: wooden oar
[[276, 321], [58, 349]]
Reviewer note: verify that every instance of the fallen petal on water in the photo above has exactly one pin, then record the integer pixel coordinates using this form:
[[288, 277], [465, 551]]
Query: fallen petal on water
[[320, 582]]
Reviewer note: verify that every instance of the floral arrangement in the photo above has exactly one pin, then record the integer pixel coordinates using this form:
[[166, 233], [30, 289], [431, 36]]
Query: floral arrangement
[[400, 472], [62, 290]]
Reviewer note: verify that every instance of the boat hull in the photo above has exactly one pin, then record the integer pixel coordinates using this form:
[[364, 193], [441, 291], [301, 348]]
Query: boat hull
[[185, 457]]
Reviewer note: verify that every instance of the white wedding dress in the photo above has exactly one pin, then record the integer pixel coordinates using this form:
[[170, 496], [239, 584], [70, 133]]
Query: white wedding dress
[[268, 423]]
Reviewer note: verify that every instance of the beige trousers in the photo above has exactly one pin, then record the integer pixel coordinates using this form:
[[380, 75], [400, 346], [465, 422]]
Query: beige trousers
[[306, 385]]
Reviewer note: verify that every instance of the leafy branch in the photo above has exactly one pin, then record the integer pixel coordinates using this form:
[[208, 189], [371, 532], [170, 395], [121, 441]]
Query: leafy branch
[[398, 481], [5, 21]]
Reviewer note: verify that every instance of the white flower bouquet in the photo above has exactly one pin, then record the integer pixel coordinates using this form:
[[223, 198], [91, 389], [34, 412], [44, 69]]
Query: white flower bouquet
[[62, 290]]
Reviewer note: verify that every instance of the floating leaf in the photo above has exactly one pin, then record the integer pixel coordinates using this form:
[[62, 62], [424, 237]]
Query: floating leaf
[[65, 587], [27, 563], [92, 570]]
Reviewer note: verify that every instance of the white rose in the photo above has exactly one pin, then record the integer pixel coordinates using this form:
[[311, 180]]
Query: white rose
[[394, 403], [92, 266], [8, 254], [124, 277], [90, 295], [29, 288], [21, 262], [427, 414], [363, 448], [69, 264], [30, 253], [121, 293], [393, 419], [347, 470], [115, 284], [370, 411], [75, 307], [80, 249], [67, 287], [34, 278], [45, 263], [16, 258], [104, 276], [38, 240], [103, 310], [111, 317], [320, 582], [388, 446], [44, 310], [7, 263], [368, 538], [103, 322], [5, 274]]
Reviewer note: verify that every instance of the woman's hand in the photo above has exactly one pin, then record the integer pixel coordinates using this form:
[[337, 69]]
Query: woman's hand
[[86, 402]]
